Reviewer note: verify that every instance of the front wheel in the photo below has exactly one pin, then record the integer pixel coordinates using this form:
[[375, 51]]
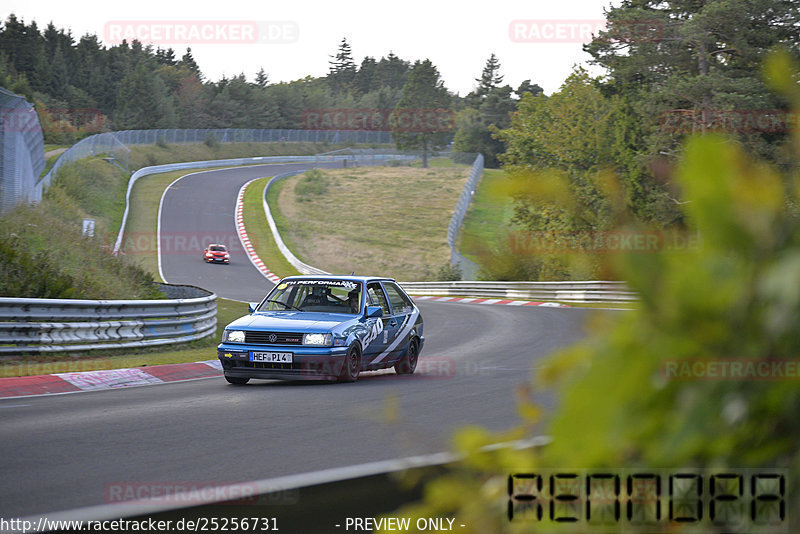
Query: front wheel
[[408, 363], [352, 365], [237, 381]]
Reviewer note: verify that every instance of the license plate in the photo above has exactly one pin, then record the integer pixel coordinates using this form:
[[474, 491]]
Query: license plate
[[271, 357]]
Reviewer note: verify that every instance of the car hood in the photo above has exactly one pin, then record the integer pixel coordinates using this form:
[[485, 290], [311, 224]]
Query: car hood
[[292, 321]]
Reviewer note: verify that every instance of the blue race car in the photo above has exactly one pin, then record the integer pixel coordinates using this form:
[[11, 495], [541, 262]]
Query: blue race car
[[324, 328]]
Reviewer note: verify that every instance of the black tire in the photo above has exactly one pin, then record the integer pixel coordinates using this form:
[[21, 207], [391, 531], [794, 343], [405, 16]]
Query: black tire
[[408, 363], [237, 381], [352, 364]]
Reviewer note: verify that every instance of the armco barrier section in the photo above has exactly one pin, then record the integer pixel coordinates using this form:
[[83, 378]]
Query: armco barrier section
[[599, 292], [30, 325], [291, 258], [114, 144]]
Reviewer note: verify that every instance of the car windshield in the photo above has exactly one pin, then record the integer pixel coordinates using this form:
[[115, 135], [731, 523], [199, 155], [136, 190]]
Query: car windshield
[[331, 296], [217, 248]]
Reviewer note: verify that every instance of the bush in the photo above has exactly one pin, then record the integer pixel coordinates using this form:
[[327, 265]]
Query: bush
[[313, 183], [211, 141], [448, 272]]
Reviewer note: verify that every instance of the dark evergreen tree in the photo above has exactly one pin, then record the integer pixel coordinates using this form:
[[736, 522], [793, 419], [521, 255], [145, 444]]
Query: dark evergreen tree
[[364, 81], [143, 101], [342, 69], [188, 60], [262, 78], [424, 91], [391, 71]]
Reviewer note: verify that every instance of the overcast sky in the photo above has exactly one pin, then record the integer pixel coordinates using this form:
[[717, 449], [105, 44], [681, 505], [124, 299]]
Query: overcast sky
[[536, 40]]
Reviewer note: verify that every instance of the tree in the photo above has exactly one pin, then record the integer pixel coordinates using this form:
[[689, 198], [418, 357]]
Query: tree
[[188, 60], [493, 104], [423, 92], [364, 80], [391, 71], [527, 87], [695, 56], [166, 57], [342, 70], [262, 78], [490, 77], [143, 101], [475, 126], [191, 103]]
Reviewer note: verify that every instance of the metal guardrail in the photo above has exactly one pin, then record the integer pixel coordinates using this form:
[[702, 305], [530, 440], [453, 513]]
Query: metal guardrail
[[599, 292], [114, 144], [291, 258], [469, 268], [72, 325]]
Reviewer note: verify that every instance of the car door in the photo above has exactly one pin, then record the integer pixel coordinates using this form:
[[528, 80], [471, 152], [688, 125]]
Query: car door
[[402, 321], [378, 336]]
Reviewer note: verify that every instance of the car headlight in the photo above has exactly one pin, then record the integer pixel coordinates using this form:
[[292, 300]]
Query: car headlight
[[233, 336], [317, 339]]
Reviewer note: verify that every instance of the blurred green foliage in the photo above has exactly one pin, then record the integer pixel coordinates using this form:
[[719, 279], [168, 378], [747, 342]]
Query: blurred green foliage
[[735, 296]]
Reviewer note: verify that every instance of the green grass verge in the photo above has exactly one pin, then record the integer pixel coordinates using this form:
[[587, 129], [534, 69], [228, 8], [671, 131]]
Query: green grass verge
[[488, 216], [390, 221], [48, 147], [258, 230]]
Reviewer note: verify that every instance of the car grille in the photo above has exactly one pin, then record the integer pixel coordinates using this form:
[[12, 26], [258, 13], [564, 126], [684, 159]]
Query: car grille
[[281, 338]]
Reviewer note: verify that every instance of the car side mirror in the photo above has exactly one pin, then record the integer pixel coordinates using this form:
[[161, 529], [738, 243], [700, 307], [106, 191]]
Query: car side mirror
[[251, 307], [374, 311]]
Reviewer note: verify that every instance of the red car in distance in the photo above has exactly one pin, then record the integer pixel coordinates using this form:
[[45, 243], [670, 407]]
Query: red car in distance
[[215, 253]]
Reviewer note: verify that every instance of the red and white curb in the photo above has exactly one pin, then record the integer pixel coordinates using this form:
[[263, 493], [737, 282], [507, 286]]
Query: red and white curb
[[61, 383], [248, 246], [493, 301]]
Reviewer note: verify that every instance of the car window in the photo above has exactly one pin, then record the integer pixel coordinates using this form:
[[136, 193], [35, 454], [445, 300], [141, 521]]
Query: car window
[[376, 297], [308, 295], [401, 304]]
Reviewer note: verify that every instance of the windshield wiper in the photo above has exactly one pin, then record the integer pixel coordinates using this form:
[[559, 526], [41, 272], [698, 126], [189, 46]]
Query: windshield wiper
[[283, 304]]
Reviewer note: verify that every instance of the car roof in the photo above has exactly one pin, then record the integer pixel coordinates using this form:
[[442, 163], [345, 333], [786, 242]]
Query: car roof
[[353, 278]]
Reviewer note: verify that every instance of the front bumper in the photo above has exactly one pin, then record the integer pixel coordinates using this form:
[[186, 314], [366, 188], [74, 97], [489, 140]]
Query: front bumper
[[308, 363], [214, 259]]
